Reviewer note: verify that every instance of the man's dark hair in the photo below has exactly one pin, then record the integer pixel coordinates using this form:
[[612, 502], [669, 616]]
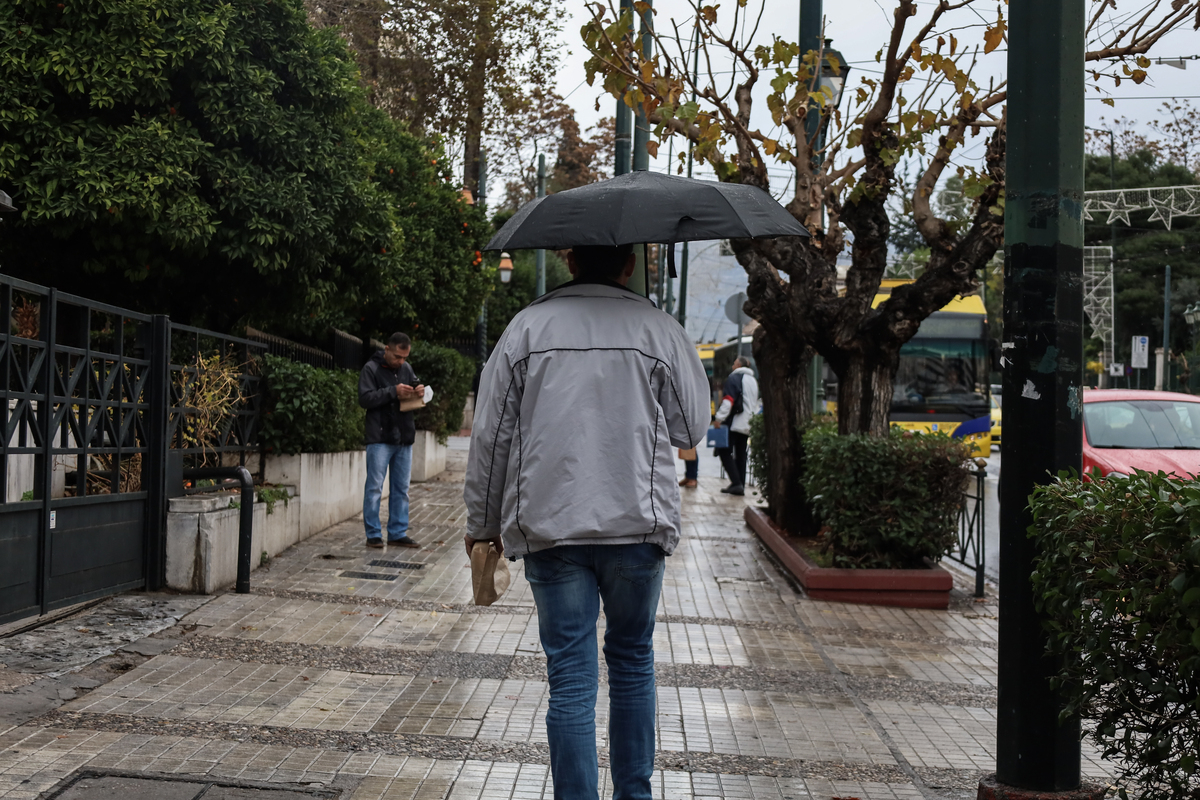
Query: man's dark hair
[[399, 340], [601, 261]]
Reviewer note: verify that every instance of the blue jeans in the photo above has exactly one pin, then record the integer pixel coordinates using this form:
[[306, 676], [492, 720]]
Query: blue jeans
[[381, 458], [691, 469], [568, 584]]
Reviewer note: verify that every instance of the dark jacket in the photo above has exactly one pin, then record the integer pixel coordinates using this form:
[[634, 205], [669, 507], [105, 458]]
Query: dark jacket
[[386, 424]]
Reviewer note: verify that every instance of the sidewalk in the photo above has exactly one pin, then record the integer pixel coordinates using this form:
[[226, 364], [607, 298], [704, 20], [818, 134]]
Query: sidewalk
[[366, 674]]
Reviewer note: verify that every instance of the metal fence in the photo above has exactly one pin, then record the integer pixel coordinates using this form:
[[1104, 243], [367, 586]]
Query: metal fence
[[293, 351], [969, 550], [96, 404]]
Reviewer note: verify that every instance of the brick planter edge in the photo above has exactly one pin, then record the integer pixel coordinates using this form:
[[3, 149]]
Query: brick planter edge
[[907, 588]]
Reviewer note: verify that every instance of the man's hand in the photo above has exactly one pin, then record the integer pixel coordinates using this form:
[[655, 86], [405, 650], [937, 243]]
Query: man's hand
[[470, 543], [716, 423], [404, 391]]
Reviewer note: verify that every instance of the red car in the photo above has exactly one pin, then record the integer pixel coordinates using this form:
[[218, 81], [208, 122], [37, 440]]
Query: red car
[[1127, 429]]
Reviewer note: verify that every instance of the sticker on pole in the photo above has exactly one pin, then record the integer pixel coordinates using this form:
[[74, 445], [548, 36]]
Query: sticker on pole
[[1116, 370], [1141, 352]]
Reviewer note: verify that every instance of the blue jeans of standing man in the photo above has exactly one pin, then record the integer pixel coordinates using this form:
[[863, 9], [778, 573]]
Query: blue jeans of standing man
[[569, 582], [395, 459]]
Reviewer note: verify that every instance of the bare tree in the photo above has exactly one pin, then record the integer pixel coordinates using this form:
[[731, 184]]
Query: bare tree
[[461, 69], [922, 100]]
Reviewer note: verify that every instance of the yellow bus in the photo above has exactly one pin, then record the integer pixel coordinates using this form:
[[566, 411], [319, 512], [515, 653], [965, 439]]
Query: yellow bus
[[942, 379]]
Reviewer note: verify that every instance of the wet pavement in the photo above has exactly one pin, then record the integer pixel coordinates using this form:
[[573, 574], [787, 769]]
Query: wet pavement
[[367, 674]]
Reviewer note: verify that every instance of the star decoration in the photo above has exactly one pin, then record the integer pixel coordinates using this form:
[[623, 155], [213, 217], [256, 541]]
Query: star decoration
[[1119, 210], [1163, 209]]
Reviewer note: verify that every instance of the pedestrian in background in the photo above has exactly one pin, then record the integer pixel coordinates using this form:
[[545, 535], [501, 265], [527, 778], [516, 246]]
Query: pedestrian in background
[[572, 468], [691, 468], [738, 404], [385, 380]]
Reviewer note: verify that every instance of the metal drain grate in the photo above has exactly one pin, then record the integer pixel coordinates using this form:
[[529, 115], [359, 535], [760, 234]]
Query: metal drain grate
[[379, 562], [96, 785], [369, 576]]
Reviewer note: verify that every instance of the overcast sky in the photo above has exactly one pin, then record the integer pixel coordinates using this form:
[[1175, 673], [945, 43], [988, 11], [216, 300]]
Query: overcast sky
[[858, 29]]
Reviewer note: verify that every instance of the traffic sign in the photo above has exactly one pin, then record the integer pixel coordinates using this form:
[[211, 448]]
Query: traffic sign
[[733, 309], [1141, 352], [1116, 370]]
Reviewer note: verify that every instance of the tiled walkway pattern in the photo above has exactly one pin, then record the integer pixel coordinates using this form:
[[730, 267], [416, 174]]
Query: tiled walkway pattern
[[401, 689]]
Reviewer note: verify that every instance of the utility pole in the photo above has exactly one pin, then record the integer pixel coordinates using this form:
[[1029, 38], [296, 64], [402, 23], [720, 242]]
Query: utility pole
[[1043, 375], [641, 135], [621, 142], [1166, 348], [541, 254], [683, 261], [811, 14]]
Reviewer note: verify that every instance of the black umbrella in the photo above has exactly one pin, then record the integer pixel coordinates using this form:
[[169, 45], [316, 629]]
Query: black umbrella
[[646, 207]]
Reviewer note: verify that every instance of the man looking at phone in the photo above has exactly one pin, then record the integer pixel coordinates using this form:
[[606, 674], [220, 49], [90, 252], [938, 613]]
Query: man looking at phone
[[385, 380]]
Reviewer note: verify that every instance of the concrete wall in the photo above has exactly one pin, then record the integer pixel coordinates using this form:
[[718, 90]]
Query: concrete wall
[[428, 457], [327, 488], [330, 485]]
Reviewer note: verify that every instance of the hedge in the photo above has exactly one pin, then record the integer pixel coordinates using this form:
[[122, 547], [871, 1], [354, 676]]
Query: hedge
[[885, 501], [309, 409], [1117, 577], [450, 374]]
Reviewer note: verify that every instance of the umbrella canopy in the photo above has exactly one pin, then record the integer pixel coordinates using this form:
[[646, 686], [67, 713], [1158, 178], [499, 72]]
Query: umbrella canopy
[[645, 207]]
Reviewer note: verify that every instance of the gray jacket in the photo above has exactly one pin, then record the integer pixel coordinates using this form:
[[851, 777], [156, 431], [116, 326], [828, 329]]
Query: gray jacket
[[579, 409]]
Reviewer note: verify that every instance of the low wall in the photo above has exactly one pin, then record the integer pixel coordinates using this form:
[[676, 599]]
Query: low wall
[[326, 488], [330, 485], [428, 457]]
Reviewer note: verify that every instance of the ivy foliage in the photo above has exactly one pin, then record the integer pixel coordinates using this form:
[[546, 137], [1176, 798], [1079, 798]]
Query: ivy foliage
[[217, 161], [309, 409], [885, 502], [450, 374], [1117, 577]]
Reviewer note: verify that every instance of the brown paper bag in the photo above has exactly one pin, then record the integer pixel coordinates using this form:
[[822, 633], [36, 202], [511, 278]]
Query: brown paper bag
[[412, 404], [687, 455], [489, 573]]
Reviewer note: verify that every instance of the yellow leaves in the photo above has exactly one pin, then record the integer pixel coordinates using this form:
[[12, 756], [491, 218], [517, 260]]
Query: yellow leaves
[[1143, 62], [993, 37], [652, 148], [1108, 101], [647, 71], [953, 44], [1135, 75], [709, 14]]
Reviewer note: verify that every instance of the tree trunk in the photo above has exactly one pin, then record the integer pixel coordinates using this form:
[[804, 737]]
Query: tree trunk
[[787, 408], [477, 95], [865, 389]]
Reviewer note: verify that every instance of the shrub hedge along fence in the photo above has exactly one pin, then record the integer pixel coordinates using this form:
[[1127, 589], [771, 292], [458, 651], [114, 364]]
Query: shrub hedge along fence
[[314, 410]]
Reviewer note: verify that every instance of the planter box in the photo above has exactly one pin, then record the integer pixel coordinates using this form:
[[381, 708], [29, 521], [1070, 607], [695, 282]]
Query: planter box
[[428, 457], [908, 588], [202, 539]]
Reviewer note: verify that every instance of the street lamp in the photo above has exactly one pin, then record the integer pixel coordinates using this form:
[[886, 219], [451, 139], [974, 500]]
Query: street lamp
[[6, 202], [827, 79], [1191, 313], [506, 268]]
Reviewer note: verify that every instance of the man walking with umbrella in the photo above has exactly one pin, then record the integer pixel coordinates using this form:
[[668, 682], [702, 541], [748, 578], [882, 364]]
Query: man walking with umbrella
[[579, 409]]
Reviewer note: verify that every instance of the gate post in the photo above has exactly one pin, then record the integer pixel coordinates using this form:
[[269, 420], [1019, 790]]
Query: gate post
[[154, 466], [43, 481]]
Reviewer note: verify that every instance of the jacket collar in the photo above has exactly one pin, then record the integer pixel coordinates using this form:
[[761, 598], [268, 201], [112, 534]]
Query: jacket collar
[[609, 289]]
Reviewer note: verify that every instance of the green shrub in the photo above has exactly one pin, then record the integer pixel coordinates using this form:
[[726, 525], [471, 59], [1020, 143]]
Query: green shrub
[[309, 409], [1118, 578], [450, 374], [757, 456], [885, 501]]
